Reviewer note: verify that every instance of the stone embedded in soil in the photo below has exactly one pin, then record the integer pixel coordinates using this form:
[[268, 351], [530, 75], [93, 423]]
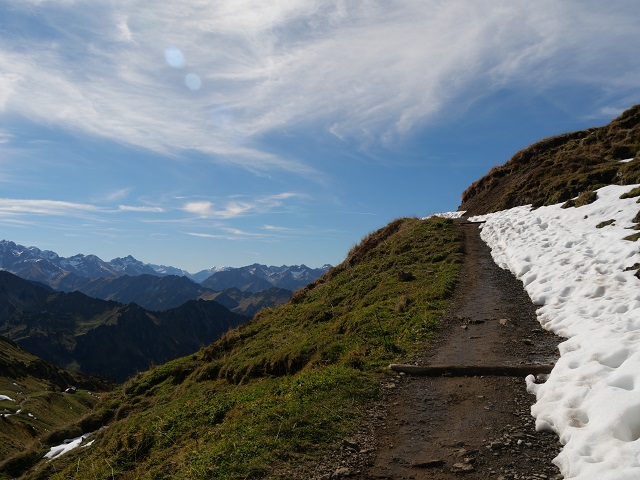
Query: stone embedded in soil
[[341, 473], [462, 467], [431, 463]]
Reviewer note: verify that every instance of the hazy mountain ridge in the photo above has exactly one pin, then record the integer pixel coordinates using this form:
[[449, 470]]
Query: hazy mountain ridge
[[247, 303], [149, 291], [102, 337], [257, 277], [78, 271]]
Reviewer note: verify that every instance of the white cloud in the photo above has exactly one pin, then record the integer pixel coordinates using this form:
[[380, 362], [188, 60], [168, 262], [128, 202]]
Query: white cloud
[[236, 208], [222, 236], [5, 137], [230, 233], [10, 207], [368, 71], [132, 208], [116, 195], [45, 207]]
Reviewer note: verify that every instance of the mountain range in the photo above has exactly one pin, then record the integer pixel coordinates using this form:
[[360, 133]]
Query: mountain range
[[101, 337], [74, 273]]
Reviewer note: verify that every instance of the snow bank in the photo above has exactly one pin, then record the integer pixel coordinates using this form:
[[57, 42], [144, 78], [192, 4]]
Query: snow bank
[[4, 397], [446, 215], [574, 272], [65, 446]]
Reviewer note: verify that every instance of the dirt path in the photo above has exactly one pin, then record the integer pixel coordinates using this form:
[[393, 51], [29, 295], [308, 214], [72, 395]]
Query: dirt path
[[476, 426]]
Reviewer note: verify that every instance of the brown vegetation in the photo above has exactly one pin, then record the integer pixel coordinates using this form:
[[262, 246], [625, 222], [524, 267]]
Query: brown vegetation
[[560, 168]]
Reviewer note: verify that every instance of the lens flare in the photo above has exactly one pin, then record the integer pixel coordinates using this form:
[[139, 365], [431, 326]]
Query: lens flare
[[193, 81], [174, 57]]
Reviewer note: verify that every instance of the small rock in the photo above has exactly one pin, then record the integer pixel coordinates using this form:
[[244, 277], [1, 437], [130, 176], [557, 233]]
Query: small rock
[[503, 322], [350, 445], [431, 463], [527, 341], [462, 468], [462, 452], [476, 321], [341, 473]]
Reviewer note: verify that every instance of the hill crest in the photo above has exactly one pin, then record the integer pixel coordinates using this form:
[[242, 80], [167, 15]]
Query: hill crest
[[561, 167]]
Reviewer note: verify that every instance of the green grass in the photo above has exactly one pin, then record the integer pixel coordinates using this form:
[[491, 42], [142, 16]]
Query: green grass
[[585, 198], [605, 223], [43, 409], [287, 387], [634, 192], [633, 238]]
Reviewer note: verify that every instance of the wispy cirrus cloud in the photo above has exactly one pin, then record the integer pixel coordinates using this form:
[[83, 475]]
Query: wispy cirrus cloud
[[116, 195], [232, 208], [5, 136], [218, 77], [230, 233], [144, 209], [46, 207], [57, 208]]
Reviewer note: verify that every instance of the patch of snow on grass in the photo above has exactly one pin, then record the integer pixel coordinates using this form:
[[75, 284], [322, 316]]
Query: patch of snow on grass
[[575, 274], [446, 215], [4, 397], [66, 446]]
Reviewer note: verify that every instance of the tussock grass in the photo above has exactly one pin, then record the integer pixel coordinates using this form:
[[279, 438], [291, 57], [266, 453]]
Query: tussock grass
[[634, 192], [585, 198], [560, 168], [289, 385]]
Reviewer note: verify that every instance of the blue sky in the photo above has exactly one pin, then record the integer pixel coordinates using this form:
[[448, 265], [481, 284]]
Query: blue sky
[[201, 133]]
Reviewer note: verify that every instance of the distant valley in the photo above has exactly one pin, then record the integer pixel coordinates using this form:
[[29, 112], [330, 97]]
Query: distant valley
[[116, 318], [105, 338]]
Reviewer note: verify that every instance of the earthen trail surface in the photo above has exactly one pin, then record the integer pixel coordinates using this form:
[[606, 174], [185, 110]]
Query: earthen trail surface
[[478, 427]]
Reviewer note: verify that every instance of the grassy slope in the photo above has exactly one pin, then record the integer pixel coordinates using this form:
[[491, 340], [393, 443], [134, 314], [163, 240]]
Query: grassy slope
[[37, 389], [290, 384], [559, 168]]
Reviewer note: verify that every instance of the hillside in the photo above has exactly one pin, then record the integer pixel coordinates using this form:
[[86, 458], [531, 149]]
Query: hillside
[[101, 337], [151, 292], [157, 293], [559, 168], [32, 402], [280, 391], [247, 303]]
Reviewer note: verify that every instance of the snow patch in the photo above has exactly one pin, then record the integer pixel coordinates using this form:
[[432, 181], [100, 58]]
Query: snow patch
[[65, 447], [453, 215], [575, 273]]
